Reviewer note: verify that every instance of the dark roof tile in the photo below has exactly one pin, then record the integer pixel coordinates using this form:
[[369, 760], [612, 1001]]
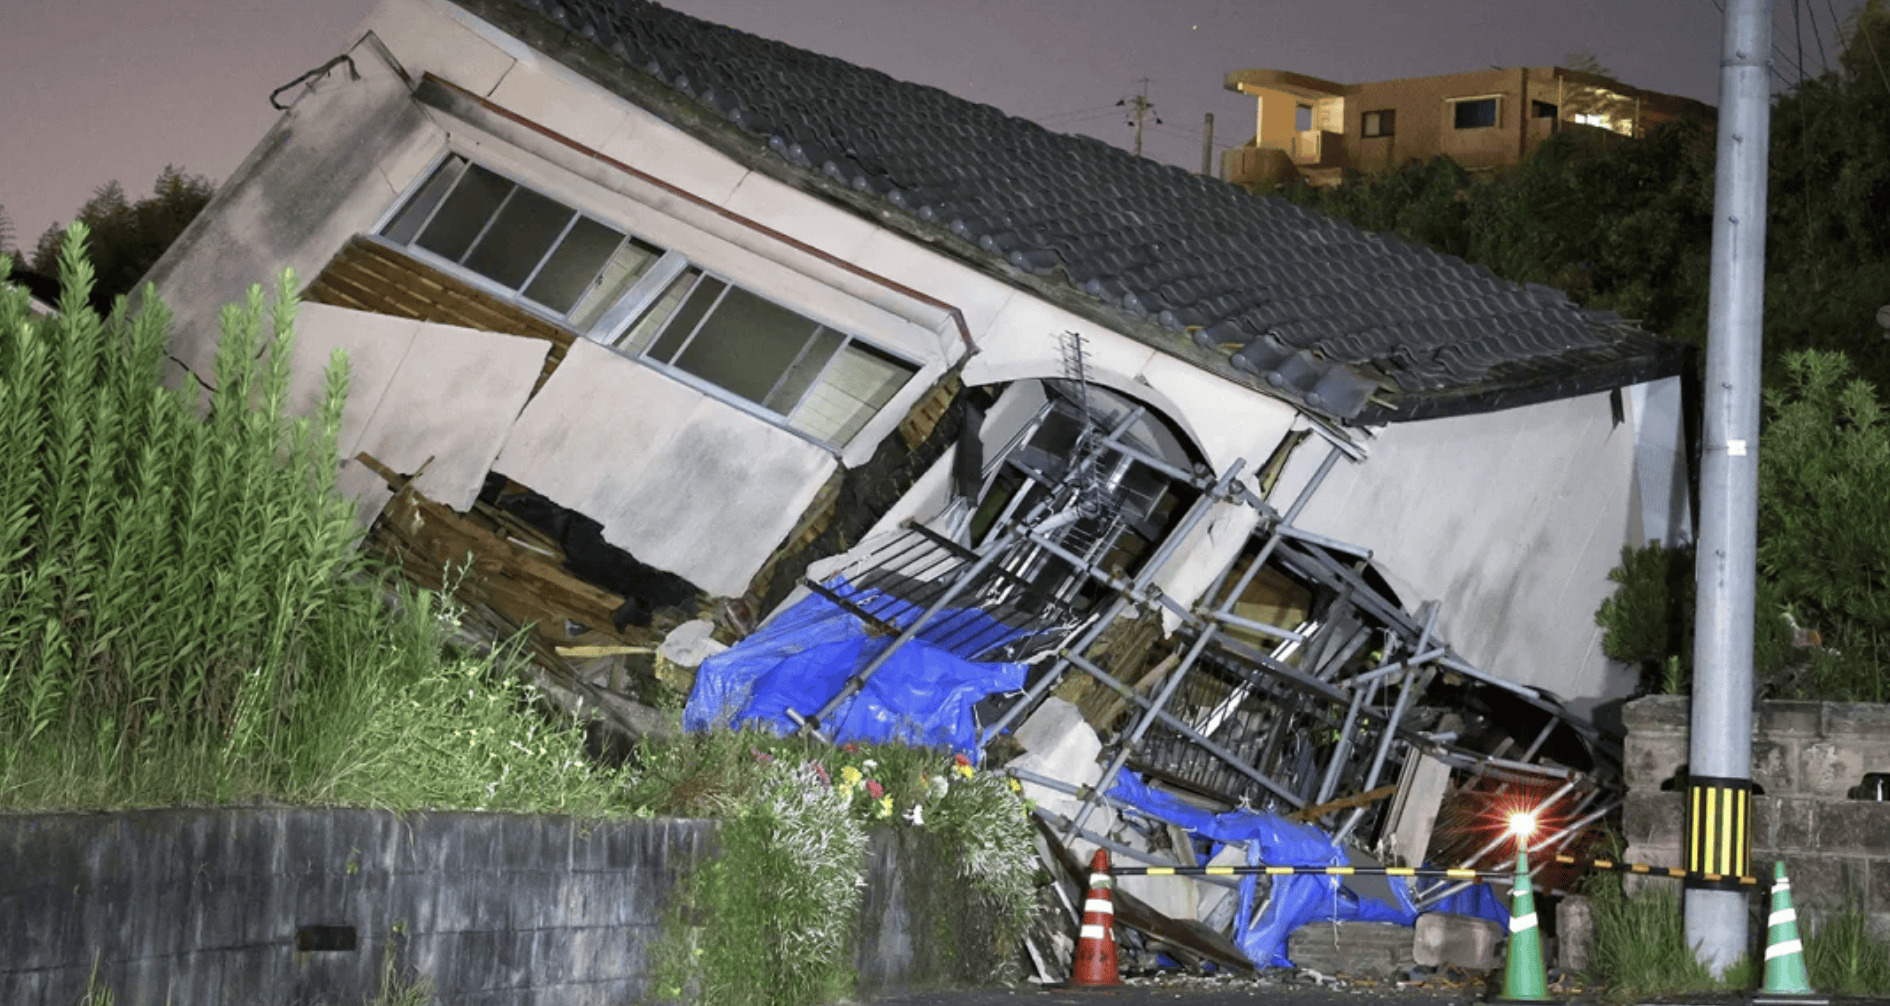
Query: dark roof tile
[[1365, 327]]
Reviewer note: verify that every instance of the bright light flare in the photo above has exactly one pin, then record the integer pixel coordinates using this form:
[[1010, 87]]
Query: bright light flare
[[1522, 824]]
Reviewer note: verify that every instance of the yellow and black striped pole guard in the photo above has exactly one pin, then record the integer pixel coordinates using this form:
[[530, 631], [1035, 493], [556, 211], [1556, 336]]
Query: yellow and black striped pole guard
[[1719, 835]]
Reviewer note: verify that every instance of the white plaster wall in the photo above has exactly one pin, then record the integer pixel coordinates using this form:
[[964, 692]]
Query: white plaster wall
[[680, 480], [1663, 505], [1224, 420], [324, 172], [1511, 519], [419, 391]]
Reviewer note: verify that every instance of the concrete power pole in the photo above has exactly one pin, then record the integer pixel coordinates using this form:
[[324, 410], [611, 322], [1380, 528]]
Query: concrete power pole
[[1140, 107], [1720, 768], [1207, 148]]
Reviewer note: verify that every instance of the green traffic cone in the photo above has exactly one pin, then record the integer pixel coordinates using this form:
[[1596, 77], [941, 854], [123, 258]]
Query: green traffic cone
[[1524, 979], [1784, 954]]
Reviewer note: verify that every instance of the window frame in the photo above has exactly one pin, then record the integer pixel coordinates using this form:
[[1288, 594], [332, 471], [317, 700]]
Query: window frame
[[1387, 121], [612, 324], [651, 286], [1496, 111], [459, 270]]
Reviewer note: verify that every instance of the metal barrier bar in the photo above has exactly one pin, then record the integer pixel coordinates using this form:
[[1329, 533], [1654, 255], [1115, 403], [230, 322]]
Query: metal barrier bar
[[1262, 869], [1266, 870], [1649, 870]]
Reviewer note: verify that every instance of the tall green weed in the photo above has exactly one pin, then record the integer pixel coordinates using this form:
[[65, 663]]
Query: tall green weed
[[184, 616]]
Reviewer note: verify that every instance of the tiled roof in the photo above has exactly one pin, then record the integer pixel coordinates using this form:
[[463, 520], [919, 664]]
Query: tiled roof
[[1359, 326]]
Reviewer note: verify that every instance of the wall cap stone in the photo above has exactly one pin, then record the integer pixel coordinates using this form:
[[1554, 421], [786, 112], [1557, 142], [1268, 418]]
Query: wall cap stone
[[1656, 713]]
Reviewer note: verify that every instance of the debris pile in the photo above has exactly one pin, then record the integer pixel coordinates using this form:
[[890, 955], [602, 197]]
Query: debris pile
[[1297, 714]]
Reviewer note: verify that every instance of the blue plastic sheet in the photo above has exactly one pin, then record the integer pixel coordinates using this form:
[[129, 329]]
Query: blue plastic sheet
[[1295, 900], [923, 696]]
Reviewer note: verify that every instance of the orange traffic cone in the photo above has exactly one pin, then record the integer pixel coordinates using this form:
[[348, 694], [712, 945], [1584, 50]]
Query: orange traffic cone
[[1096, 944]]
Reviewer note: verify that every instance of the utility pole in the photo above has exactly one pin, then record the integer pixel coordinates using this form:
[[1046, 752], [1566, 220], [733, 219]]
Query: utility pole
[[1719, 784], [1207, 148], [1140, 109]]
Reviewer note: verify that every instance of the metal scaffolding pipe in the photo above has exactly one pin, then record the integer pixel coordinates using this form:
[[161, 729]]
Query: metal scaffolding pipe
[[1182, 727], [1196, 513]]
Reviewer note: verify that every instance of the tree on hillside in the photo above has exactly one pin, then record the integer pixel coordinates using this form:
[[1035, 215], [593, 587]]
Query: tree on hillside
[[1628, 226], [128, 237], [6, 232], [1829, 254]]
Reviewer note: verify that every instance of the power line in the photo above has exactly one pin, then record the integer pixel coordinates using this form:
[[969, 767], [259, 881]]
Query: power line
[[1823, 59], [1078, 121], [1099, 109], [1140, 109]]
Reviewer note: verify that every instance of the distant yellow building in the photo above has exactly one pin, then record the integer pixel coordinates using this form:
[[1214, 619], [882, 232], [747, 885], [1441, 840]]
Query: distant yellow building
[[1315, 129]]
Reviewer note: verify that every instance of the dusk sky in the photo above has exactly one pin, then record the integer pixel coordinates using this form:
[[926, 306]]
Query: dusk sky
[[103, 89]]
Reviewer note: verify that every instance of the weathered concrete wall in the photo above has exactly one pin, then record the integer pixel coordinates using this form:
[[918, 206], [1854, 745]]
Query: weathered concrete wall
[[204, 906], [326, 170], [1806, 756]]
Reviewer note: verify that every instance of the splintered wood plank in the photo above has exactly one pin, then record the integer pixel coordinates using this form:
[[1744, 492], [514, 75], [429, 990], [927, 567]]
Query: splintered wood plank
[[487, 568]]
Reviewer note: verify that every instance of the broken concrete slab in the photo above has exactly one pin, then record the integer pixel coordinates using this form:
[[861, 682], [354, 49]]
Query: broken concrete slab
[[1356, 949], [1421, 788], [1464, 941], [418, 391], [1575, 934], [1059, 736], [453, 399]]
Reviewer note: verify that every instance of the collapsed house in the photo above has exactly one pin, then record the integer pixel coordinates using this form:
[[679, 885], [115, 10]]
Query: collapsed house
[[649, 318]]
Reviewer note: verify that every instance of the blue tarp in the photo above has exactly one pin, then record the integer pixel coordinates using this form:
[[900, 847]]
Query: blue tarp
[[923, 696], [1295, 900]]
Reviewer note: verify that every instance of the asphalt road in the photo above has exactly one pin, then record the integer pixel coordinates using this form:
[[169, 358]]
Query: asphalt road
[[1200, 992], [1285, 992]]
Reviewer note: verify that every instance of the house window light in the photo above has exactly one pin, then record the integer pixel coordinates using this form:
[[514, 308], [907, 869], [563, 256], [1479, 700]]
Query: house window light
[[531, 246], [1473, 113], [1383, 122]]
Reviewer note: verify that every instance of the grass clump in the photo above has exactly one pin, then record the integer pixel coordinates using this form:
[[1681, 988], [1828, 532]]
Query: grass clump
[[1844, 959], [184, 615], [1641, 946], [772, 919]]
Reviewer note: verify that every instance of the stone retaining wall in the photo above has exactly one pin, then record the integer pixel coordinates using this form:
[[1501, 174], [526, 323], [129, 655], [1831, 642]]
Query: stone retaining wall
[[1806, 756], [208, 906]]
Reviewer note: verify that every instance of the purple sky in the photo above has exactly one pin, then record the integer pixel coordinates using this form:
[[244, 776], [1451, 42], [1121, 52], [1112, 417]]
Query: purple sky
[[102, 89]]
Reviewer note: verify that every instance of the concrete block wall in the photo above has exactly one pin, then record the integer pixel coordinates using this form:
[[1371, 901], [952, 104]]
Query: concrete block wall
[[1806, 756], [204, 906]]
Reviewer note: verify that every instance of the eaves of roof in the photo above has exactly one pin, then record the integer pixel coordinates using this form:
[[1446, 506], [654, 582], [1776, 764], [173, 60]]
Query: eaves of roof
[[1359, 327]]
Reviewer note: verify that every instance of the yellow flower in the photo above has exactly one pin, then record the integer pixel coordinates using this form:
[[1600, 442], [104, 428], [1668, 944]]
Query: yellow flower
[[850, 777], [885, 807], [965, 770]]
